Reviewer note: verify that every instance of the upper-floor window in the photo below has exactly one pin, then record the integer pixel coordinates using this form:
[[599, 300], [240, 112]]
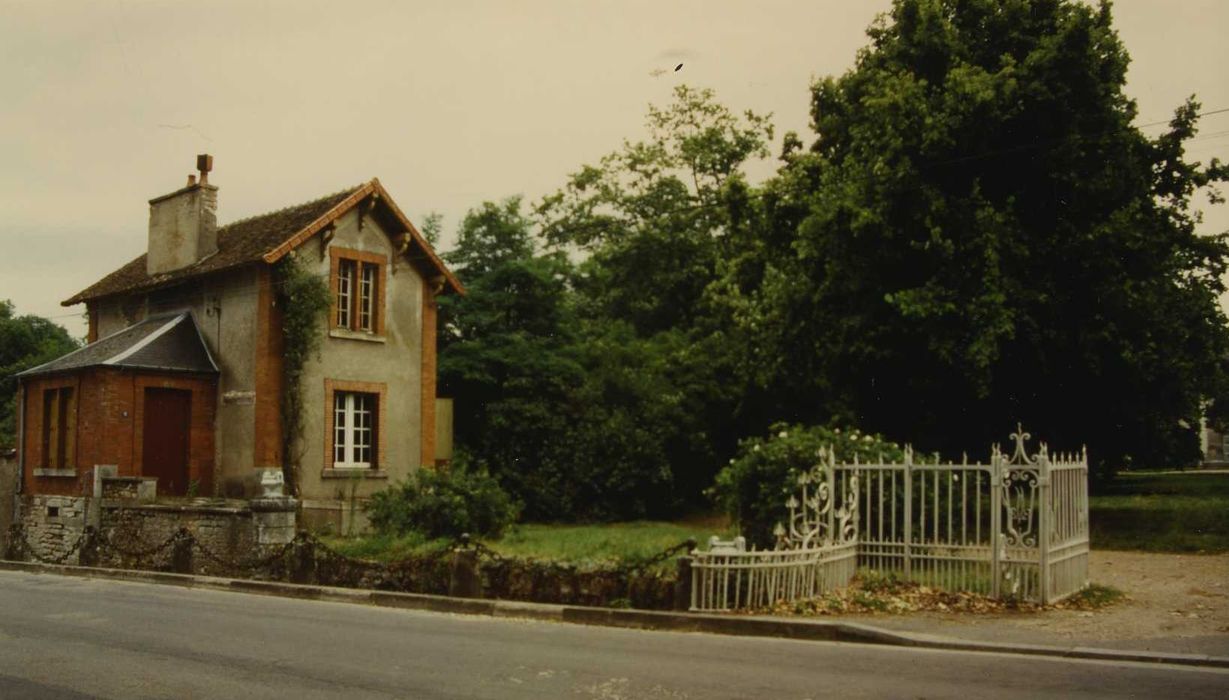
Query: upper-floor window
[[367, 298], [345, 293], [358, 290]]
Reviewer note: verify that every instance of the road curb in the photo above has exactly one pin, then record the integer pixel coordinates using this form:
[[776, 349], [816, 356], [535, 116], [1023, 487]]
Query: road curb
[[739, 625]]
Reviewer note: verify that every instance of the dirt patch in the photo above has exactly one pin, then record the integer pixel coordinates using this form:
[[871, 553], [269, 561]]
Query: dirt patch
[[1174, 602], [1170, 595]]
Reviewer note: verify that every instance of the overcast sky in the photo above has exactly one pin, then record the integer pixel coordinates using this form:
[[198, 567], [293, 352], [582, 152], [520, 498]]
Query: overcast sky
[[105, 104]]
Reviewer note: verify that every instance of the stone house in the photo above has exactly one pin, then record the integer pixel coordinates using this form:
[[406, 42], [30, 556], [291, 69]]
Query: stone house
[[180, 383]]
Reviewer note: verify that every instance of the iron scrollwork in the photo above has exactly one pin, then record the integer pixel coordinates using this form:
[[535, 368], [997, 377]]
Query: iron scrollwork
[[815, 519]]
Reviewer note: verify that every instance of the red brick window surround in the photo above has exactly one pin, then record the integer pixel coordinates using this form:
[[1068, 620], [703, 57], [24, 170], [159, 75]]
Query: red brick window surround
[[354, 425], [357, 280]]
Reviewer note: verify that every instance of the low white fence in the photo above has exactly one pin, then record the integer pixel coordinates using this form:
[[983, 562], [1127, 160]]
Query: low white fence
[[1016, 527], [750, 579], [815, 554]]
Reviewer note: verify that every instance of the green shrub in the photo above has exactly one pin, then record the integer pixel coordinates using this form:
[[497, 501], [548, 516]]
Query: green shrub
[[443, 502], [754, 486]]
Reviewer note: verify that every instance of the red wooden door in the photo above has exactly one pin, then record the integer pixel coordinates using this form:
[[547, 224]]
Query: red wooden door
[[165, 449]]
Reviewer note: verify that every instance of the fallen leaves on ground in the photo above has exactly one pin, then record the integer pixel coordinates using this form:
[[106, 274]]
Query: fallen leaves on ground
[[888, 595]]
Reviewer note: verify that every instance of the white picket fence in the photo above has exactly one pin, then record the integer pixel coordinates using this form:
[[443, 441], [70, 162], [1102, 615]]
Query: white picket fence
[[1016, 527]]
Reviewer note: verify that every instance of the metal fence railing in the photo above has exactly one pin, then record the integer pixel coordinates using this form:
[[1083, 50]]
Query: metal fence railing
[[1015, 527]]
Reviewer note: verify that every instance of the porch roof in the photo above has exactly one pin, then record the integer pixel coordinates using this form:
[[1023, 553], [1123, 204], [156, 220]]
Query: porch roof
[[168, 342]]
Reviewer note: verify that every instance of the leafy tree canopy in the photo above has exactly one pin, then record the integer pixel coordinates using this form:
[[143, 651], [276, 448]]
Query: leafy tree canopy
[[989, 239]]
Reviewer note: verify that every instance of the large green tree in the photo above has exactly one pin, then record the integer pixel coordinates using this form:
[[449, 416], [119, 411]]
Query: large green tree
[[25, 342], [564, 412], [988, 238], [504, 347], [654, 225]]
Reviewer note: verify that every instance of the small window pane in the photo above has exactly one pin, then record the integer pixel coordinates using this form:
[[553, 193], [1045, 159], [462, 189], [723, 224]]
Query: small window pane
[[366, 303], [345, 291]]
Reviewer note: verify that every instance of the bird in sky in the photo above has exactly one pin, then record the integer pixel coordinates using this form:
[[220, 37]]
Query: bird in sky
[[678, 68]]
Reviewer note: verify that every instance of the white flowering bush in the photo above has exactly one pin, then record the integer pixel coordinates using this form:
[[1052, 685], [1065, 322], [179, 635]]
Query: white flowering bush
[[754, 486]]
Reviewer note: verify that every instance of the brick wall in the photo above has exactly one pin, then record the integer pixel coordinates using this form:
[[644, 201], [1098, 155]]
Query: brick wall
[[267, 448], [109, 407]]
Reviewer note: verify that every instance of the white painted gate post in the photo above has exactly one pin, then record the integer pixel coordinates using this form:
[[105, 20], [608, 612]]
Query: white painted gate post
[[908, 511], [1044, 523], [996, 521], [830, 477]]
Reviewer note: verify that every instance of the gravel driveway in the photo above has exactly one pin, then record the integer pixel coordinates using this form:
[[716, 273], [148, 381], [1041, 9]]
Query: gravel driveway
[[1175, 603]]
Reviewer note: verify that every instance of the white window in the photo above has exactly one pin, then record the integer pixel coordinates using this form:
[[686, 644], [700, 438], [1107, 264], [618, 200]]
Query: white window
[[345, 292], [353, 429], [366, 298]]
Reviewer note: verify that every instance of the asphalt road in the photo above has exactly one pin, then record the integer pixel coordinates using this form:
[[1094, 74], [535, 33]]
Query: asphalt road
[[65, 637]]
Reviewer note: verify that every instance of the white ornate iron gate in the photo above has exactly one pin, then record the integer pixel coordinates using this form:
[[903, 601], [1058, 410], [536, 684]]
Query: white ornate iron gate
[[1016, 527], [816, 552]]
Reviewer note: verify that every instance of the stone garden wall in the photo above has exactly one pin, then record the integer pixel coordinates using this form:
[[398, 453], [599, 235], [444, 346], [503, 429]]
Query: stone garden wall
[[189, 536]]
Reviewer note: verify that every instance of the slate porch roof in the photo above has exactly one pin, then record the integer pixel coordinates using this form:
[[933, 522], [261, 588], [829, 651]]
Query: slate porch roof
[[169, 342], [264, 238]]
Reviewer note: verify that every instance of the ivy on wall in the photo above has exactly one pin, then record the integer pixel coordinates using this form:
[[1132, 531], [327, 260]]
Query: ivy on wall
[[305, 299]]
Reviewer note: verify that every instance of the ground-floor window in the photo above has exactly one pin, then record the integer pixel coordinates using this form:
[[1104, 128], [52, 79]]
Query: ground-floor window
[[354, 428], [59, 428]]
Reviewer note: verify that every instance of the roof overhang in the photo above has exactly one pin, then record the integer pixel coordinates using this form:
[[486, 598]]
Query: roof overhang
[[427, 256]]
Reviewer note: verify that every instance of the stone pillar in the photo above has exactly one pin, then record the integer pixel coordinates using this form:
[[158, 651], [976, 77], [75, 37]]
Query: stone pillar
[[181, 552], [465, 581], [273, 513], [303, 562], [682, 586], [274, 518]]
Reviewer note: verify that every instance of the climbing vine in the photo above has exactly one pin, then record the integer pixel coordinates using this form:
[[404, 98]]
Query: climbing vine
[[304, 299]]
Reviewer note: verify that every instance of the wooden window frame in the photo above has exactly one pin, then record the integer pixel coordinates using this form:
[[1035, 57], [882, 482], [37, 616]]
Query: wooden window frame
[[59, 431], [356, 428], [343, 303], [360, 261], [379, 391]]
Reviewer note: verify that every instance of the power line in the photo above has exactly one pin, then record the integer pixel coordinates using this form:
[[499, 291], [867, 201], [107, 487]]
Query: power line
[[1166, 121]]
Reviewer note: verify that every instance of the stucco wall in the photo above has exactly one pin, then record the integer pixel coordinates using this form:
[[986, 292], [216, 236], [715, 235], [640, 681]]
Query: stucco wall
[[393, 362], [225, 308]]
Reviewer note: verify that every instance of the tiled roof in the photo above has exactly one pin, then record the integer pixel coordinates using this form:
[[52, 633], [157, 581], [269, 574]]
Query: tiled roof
[[241, 242], [167, 342]]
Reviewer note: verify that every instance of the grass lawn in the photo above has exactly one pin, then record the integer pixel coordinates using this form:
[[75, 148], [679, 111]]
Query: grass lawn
[[1162, 512], [576, 544], [1149, 511]]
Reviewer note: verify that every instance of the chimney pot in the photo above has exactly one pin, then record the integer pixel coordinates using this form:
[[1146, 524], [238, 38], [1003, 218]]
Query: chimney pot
[[191, 180], [204, 163]]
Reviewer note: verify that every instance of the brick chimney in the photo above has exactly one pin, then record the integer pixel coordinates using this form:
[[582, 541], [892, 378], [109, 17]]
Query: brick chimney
[[183, 225]]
